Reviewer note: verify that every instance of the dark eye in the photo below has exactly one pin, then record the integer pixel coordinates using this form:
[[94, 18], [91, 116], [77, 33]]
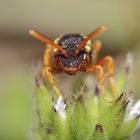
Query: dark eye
[[58, 62], [59, 55], [62, 56], [82, 55], [82, 52]]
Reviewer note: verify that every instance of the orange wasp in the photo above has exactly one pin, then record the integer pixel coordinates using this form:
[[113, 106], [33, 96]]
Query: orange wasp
[[74, 53]]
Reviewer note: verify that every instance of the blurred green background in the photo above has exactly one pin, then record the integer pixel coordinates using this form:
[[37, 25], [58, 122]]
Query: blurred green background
[[20, 54]]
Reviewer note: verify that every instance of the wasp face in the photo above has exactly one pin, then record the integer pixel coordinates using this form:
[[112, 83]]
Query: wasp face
[[72, 52], [70, 44]]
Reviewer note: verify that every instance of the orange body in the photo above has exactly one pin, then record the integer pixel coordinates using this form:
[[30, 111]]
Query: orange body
[[74, 53]]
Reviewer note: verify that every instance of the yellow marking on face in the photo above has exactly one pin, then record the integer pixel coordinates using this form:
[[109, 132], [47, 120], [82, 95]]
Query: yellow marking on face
[[88, 45], [56, 40], [89, 42], [55, 49], [88, 48], [65, 46]]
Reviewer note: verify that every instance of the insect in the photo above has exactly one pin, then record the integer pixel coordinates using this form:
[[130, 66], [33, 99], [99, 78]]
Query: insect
[[74, 53]]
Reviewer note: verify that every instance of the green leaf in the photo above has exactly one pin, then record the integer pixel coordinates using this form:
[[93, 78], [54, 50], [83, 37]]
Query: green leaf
[[112, 118], [44, 105], [77, 121], [127, 128], [60, 128]]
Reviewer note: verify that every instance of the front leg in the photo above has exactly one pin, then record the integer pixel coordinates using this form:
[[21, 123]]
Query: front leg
[[47, 73], [96, 48], [108, 61], [99, 70]]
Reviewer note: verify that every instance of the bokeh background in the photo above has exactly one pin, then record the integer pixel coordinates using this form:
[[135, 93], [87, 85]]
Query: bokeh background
[[21, 55]]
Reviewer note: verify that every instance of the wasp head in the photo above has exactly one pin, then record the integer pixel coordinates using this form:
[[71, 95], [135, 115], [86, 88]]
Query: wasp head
[[70, 43], [73, 51]]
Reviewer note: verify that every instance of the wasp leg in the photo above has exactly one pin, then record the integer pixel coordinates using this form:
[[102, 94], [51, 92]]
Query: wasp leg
[[47, 72], [99, 69], [47, 55], [96, 48], [108, 61]]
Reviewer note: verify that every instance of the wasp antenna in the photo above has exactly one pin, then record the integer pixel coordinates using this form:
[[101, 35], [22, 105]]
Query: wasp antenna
[[90, 36], [47, 40], [31, 32]]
